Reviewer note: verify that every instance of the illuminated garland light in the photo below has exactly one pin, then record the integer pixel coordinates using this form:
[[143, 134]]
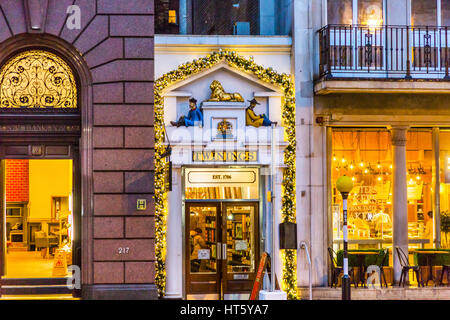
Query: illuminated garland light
[[288, 186]]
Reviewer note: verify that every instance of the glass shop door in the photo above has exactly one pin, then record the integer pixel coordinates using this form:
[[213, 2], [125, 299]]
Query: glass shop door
[[203, 247], [222, 247], [240, 242]]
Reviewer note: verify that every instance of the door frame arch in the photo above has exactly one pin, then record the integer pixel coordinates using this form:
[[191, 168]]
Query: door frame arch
[[82, 74]]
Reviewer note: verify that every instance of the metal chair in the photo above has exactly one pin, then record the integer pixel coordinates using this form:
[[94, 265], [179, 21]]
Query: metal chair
[[335, 269], [404, 262], [381, 261], [445, 268]]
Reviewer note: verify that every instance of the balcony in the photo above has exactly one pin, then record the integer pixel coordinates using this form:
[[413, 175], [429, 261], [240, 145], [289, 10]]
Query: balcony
[[413, 59]]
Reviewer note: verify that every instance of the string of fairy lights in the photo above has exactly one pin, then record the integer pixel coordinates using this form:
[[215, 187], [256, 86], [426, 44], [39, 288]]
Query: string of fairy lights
[[289, 283]]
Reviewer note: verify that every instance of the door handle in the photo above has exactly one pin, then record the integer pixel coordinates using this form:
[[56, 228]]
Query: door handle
[[224, 251], [219, 251]]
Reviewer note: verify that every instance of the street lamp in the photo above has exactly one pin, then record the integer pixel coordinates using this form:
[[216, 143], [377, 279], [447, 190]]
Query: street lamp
[[344, 185]]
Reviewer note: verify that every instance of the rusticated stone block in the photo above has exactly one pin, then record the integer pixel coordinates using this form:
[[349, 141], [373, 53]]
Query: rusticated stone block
[[87, 9], [108, 137], [15, 14], [139, 227], [122, 204], [139, 92], [96, 32], [124, 70], [125, 6], [142, 48], [123, 160], [124, 250], [108, 50], [108, 227], [139, 182], [4, 30], [117, 115], [56, 16], [108, 93], [139, 137], [139, 272], [108, 272], [129, 26], [108, 182]]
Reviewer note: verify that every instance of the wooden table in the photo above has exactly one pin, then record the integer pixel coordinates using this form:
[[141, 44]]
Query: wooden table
[[360, 256], [430, 255]]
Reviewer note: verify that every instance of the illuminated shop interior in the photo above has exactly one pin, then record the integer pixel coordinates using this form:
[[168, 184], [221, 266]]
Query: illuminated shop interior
[[365, 155], [39, 216], [222, 228]]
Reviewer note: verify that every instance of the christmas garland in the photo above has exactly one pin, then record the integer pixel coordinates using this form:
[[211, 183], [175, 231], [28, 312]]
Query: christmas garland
[[288, 186]]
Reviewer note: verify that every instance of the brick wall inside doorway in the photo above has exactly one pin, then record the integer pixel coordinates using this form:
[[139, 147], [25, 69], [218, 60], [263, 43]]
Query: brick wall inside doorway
[[16, 184]]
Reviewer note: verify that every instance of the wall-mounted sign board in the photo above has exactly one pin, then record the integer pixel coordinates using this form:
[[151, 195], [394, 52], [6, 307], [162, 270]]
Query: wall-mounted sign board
[[224, 156]]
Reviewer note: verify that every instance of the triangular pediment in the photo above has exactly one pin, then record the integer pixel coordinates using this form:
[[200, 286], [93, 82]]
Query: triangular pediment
[[223, 66]]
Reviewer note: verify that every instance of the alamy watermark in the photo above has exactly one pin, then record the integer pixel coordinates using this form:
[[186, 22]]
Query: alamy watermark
[[74, 19], [74, 280]]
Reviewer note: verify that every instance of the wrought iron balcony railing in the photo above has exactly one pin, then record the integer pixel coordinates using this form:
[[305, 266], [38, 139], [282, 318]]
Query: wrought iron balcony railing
[[384, 51]]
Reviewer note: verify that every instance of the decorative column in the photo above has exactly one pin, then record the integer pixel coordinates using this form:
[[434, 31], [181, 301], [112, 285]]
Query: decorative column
[[400, 200]]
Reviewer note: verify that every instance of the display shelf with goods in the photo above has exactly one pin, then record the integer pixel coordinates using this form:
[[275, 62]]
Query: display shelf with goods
[[240, 252]]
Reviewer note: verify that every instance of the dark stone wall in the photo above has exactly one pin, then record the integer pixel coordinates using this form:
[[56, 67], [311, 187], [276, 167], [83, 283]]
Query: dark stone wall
[[116, 42]]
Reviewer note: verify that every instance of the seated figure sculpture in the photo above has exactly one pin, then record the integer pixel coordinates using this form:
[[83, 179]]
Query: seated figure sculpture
[[251, 119], [194, 117]]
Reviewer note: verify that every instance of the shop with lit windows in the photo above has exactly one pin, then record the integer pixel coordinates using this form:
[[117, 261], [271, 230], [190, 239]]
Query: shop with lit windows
[[224, 134]]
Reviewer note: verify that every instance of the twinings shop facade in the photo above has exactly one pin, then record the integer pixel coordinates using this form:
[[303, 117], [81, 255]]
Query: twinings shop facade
[[367, 155], [224, 140]]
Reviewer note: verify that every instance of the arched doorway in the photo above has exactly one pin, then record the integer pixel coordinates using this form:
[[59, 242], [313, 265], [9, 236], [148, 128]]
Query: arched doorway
[[40, 131]]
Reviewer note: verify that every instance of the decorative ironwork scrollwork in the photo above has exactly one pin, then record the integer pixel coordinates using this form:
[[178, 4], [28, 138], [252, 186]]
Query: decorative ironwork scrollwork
[[368, 50], [427, 50], [37, 79]]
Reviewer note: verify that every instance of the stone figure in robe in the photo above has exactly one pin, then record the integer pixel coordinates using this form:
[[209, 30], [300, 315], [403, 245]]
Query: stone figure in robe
[[194, 117], [252, 119]]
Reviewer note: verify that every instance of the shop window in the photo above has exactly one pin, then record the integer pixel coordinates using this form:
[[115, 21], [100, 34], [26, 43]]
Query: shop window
[[423, 13], [366, 157], [419, 164], [339, 12], [444, 190]]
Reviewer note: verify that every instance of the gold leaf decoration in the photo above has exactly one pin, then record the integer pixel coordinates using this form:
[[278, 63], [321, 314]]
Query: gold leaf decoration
[[37, 79]]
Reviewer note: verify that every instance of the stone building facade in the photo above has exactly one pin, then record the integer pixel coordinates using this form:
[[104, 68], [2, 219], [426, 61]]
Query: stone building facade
[[110, 50]]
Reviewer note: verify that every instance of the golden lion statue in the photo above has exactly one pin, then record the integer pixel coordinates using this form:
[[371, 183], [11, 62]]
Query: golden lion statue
[[218, 93]]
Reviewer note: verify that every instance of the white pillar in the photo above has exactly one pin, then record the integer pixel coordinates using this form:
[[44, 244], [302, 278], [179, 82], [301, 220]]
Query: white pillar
[[400, 200], [174, 261], [277, 203]]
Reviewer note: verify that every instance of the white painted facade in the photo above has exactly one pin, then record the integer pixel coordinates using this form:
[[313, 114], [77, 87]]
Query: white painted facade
[[170, 52]]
